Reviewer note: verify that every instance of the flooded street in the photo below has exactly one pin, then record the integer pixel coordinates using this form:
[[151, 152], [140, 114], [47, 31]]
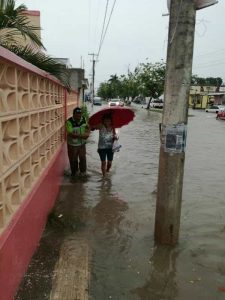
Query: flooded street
[[117, 216], [125, 262]]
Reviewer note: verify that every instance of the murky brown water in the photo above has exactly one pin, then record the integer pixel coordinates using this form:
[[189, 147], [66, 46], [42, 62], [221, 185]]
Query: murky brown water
[[119, 218], [125, 262]]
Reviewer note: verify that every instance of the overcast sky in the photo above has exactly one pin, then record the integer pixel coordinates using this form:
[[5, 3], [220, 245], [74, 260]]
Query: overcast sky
[[137, 33]]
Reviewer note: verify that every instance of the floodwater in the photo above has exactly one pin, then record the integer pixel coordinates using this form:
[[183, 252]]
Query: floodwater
[[118, 215], [126, 264]]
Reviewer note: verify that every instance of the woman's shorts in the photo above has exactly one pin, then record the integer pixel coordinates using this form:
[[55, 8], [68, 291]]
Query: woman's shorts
[[103, 153]]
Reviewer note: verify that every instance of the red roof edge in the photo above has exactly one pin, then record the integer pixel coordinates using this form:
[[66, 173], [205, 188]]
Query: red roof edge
[[35, 13]]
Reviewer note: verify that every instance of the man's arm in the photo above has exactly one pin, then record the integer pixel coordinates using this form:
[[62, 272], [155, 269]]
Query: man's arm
[[86, 134], [69, 130]]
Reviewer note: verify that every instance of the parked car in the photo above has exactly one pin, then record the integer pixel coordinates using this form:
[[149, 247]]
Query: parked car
[[156, 103], [116, 102], [213, 108], [97, 101]]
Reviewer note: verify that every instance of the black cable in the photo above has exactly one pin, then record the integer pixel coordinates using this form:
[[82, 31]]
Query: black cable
[[106, 28], [103, 26]]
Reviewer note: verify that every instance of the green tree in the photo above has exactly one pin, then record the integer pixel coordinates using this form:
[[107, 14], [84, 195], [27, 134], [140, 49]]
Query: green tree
[[15, 24], [151, 78], [129, 86], [104, 90], [198, 80], [214, 81], [115, 85], [146, 80], [44, 62], [206, 81]]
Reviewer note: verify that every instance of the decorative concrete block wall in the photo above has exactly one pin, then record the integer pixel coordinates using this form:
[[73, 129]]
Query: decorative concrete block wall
[[72, 102], [33, 109]]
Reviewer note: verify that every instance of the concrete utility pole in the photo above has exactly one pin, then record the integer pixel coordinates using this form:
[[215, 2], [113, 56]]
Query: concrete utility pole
[[174, 124], [93, 76]]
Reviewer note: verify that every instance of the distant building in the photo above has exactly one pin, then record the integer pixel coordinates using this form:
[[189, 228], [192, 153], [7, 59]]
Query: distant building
[[77, 79], [64, 61], [202, 96]]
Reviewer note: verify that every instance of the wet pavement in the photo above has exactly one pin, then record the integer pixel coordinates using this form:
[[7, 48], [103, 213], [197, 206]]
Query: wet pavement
[[116, 217]]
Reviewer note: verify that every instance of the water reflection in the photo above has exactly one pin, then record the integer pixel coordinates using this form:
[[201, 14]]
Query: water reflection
[[71, 207], [109, 211], [162, 282]]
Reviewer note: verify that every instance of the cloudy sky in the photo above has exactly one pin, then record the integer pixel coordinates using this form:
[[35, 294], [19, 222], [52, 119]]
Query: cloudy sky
[[137, 33]]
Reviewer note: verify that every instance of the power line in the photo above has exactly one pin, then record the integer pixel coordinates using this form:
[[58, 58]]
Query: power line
[[103, 26], [89, 24], [210, 53], [102, 41], [210, 64]]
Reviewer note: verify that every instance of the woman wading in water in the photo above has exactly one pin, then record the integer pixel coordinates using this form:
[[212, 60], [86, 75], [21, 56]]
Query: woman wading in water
[[107, 136]]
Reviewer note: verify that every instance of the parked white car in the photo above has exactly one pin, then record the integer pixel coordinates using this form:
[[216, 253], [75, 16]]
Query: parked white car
[[116, 102], [156, 103], [214, 108]]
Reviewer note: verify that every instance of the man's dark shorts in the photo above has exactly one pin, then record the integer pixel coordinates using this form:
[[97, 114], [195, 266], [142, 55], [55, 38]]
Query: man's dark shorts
[[103, 153]]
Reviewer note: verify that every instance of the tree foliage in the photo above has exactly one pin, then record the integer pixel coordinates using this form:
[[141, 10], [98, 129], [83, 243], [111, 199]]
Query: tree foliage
[[16, 29], [44, 62], [15, 24], [206, 81], [146, 80], [151, 78]]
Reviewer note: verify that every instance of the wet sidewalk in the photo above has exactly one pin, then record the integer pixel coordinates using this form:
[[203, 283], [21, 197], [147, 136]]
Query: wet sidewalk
[[60, 268], [98, 243]]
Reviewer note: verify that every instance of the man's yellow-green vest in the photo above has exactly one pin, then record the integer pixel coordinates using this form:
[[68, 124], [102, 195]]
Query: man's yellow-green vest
[[76, 127]]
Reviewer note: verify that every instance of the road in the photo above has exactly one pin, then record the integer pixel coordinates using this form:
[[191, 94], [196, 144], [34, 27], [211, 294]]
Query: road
[[116, 218]]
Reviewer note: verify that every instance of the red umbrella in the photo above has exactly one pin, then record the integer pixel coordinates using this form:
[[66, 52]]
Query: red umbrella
[[120, 116]]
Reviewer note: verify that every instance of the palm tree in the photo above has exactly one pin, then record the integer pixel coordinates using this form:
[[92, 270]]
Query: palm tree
[[113, 79], [44, 62], [15, 24], [115, 85]]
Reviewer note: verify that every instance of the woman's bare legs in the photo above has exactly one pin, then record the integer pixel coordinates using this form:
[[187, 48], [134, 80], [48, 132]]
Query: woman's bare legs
[[109, 165], [103, 167]]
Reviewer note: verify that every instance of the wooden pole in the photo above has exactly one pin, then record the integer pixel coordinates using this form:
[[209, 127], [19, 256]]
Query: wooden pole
[[93, 77], [174, 124]]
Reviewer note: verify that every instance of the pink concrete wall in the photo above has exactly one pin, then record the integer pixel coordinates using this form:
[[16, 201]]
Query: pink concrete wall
[[22, 226], [20, 240]]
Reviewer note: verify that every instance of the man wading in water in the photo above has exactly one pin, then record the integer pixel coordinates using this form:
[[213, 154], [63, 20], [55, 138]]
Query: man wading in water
[[77, 134]]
